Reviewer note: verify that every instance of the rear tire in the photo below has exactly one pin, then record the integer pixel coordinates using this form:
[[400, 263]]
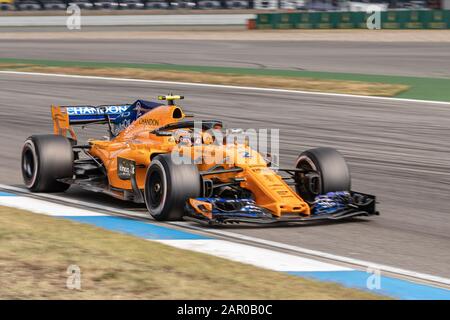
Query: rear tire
[[46, 158], [168, 186], [332, 173]]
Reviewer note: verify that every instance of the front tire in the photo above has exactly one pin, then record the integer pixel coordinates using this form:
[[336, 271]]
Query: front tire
[[328, 173], [168, 186], [46, 158]]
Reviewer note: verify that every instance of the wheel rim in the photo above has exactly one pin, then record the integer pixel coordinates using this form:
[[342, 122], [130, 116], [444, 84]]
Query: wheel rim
[[156, 189], [310, 186], [29, 165]]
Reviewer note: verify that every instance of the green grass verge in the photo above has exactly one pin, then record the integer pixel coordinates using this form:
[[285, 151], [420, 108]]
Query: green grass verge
[[36, 251], [437, 89]]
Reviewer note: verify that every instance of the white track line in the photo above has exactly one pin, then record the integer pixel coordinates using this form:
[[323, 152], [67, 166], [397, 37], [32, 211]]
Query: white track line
[[45, 207], [301, 250], [260, 257], [208, 85], [74, 202], [320, 254]]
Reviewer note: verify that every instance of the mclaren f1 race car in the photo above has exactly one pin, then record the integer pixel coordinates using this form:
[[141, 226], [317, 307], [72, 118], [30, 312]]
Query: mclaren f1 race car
[[183, 168]]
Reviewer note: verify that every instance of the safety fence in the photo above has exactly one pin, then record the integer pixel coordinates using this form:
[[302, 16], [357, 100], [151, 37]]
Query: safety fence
[[401, 19]]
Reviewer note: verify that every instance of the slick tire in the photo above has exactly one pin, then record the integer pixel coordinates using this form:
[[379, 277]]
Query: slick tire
[[332, 173], [46, 158], [168, 186]]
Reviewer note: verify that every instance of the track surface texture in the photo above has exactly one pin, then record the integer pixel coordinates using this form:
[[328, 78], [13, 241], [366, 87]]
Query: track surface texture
[[396, 150], [391, 58]]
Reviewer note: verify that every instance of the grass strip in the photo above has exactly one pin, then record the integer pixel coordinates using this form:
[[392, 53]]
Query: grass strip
[[265, 78], [36, 251], [422, 88]]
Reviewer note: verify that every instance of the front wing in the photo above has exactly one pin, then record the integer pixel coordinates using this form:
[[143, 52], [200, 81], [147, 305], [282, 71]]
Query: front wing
[[214, 211]]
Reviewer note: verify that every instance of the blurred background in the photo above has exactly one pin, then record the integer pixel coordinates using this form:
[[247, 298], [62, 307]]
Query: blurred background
[[381, 97], [304, 5]]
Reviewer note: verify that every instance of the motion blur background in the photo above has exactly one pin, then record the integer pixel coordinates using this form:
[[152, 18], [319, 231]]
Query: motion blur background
[[397, 149], [319, 5]]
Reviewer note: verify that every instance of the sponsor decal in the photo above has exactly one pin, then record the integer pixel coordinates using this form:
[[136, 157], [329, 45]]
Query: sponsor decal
[[125, 168], [149, 122], [81, 111], [121, 126], [246, 154]]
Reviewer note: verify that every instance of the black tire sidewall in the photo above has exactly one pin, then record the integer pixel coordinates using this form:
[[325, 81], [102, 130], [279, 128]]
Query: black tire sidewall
[[158, 212], [181, 181], [53, 157], [29, 145], [332, 168]]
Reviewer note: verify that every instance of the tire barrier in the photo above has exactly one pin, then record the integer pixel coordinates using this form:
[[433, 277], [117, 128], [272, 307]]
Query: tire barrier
[[83, 4], [54, 5], [106, 5], [237, 4], [28, 5], [182, 4], [208, 4], [156, 5], [131, 4], [6, 6], [265, 4]]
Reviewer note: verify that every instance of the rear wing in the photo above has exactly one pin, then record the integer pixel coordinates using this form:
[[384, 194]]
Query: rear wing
[[65, 116], [91, 114]]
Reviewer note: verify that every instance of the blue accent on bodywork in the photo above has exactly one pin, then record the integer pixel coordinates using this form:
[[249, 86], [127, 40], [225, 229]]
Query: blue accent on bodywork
[[331, 202], [144, 104], [396, 288], [6, 194], [134, 111], [137, 228], [244, 208]]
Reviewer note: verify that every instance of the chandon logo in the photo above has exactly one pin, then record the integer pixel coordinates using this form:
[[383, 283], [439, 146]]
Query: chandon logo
[[149, 122], [81, 111]]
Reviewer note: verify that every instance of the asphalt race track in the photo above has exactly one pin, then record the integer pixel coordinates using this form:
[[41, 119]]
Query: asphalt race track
[[396, 150], [395, 58]]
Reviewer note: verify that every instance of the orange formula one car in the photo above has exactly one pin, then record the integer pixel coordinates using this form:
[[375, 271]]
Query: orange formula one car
[[187, 169]]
